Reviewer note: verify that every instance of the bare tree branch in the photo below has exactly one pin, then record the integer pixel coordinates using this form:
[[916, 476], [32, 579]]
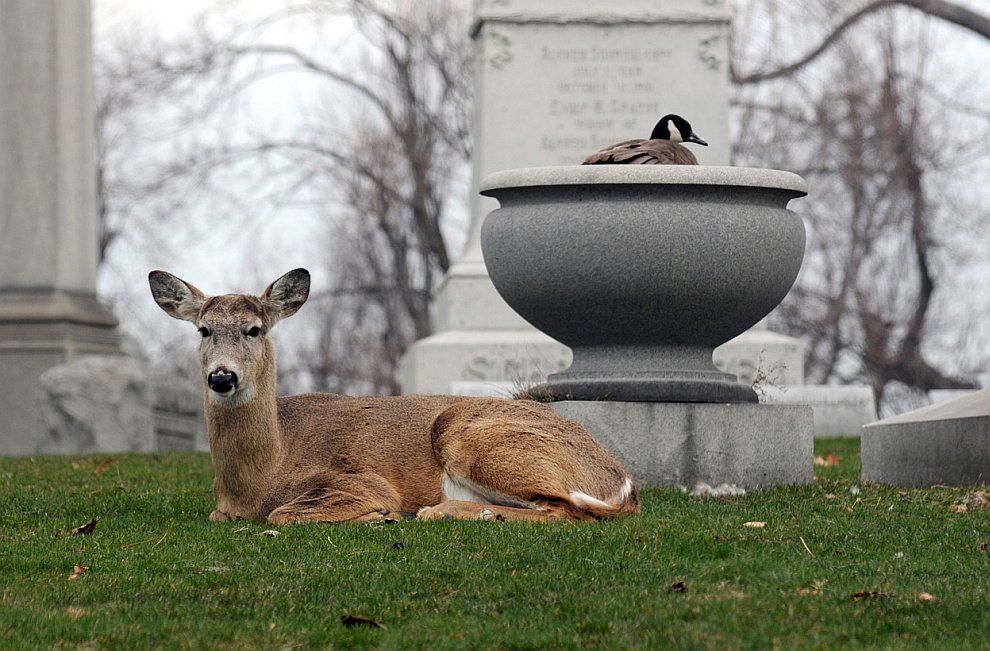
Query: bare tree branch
[[948, 11]]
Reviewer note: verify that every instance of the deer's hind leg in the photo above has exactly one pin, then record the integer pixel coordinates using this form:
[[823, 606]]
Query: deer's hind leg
[[469, 510], [329, 497], [521, 460]]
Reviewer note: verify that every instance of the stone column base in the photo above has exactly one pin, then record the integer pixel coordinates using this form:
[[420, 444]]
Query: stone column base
[[39, 329]]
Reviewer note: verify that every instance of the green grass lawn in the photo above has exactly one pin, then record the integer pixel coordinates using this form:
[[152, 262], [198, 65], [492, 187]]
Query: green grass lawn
[[837, 565]]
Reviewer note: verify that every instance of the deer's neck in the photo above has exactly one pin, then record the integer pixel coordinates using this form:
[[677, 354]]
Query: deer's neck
[[246, 447]]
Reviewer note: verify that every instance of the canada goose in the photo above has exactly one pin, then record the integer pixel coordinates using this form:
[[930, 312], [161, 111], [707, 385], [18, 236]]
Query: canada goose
[[663, 148]]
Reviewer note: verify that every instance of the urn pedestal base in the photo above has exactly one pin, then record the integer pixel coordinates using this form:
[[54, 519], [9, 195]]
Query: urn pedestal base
[[669, 444]]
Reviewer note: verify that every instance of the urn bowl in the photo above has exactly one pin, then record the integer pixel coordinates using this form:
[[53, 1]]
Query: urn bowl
[[643, 270]]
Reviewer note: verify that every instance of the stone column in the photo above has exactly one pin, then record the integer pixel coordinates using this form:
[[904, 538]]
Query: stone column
[[49, 313], [555, 81]]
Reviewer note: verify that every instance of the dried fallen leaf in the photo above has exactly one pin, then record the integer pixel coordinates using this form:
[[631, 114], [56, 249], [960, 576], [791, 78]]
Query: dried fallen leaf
[[357, 620], [869, 594], [983, 497], [828, 461], [924, 596], [102, 467], [972, 502], [984, 547], [271, 533], [755, 525], [77, 572], [84, 529], [677, 586]]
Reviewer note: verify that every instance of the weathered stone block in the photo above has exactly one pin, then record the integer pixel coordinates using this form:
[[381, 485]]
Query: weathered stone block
[[114, 403], [838, 410], [178, 417], [100, 403], [683, 444], [946, 443]]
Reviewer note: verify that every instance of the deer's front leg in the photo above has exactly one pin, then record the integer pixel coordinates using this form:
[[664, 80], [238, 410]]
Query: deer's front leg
[[328, 497], [221, 516]]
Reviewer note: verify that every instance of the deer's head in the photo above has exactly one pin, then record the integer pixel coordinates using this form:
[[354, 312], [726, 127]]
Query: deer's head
[[235, 351]]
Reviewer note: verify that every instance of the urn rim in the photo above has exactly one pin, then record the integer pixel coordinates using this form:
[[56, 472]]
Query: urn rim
[[702, 175]]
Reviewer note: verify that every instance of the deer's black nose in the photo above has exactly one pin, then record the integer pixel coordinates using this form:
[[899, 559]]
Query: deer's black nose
[[222, 381]]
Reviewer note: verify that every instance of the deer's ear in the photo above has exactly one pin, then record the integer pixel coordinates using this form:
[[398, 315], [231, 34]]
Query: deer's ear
[[178, 298], [285, 296]]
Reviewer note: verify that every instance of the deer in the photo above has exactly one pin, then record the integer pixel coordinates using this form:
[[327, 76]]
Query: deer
[[322, 457]]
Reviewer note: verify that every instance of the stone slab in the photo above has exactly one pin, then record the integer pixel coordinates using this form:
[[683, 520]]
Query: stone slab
[[760, 355], [115, 403], [838, 410], [178, 415], [490, 389], [683, 444], [941, 395], [468, 298], [945, 443], [521, 357], [99, 403]]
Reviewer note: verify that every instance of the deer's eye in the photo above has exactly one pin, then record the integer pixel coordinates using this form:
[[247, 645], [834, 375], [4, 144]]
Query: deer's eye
[[254, 331], [204, 331]]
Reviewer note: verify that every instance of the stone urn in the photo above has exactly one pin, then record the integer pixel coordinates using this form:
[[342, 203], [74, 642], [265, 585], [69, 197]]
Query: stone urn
[[643, 270]]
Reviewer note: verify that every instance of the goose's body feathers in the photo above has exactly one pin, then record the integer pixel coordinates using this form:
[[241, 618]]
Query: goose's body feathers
[[643, 152], [663, 147]]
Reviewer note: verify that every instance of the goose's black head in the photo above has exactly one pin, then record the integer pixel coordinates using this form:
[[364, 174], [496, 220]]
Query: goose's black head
[[676, 129]]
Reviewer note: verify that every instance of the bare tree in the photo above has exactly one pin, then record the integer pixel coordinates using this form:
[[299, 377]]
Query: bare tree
[[858, 123], [377, 146]]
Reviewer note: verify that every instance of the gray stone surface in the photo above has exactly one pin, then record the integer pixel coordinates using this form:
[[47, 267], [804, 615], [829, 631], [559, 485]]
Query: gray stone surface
[[177, 415], [520, 357], [114, 403], [683, 444], [49, 313], [644, 270], [100, 403], [759, 355], [946, 443], [47, 147], [838, 410], [556, 80]]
